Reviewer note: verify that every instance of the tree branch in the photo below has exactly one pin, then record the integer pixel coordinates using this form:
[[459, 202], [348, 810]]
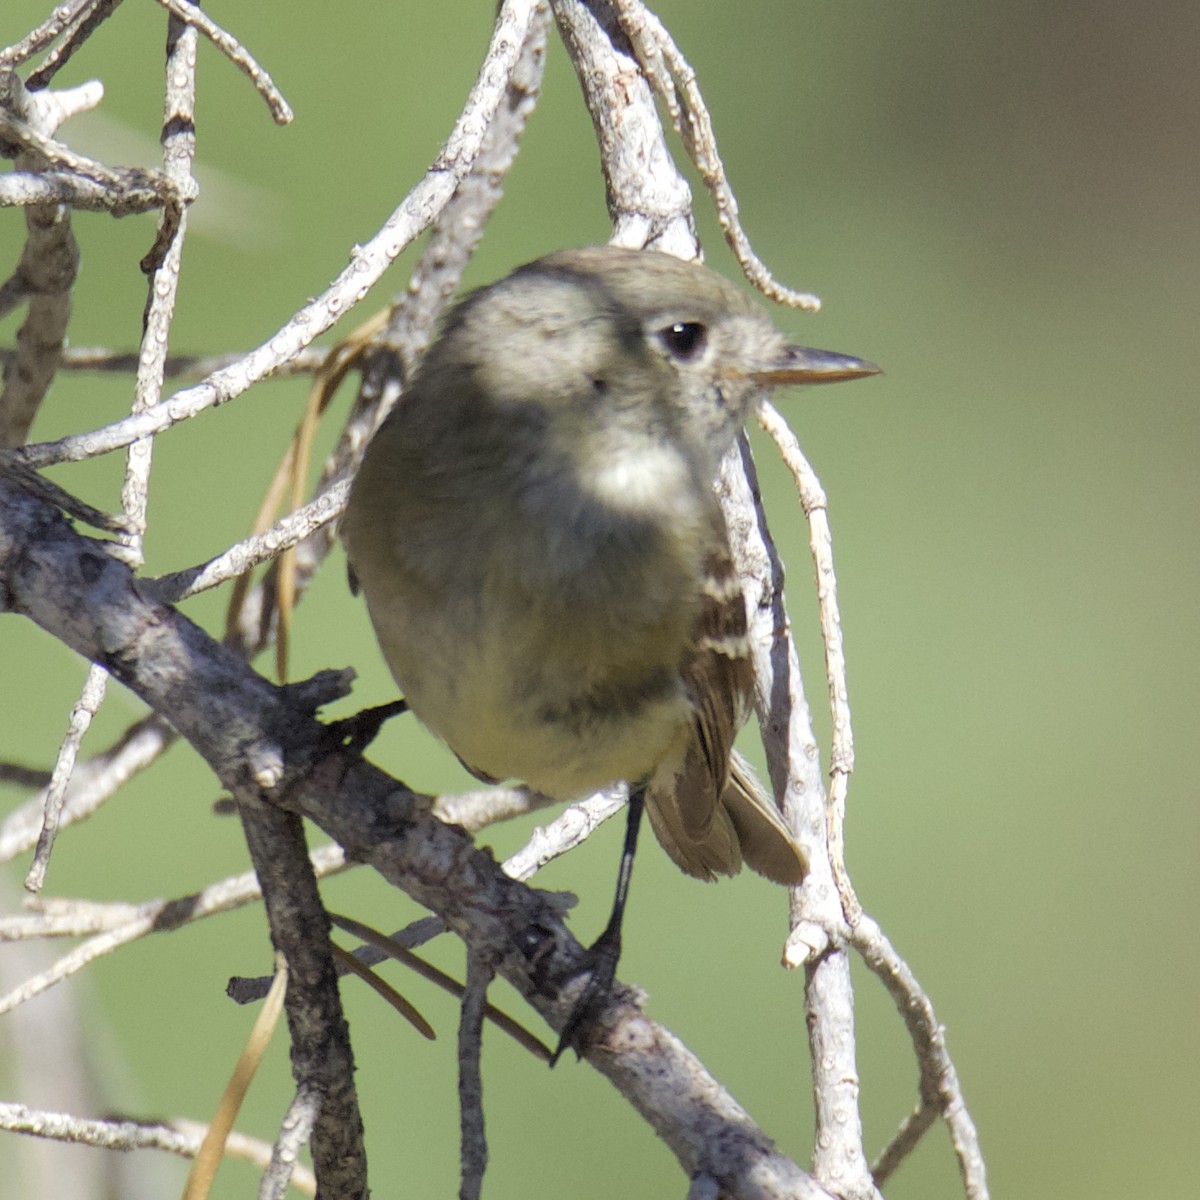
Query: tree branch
[[267, 750]]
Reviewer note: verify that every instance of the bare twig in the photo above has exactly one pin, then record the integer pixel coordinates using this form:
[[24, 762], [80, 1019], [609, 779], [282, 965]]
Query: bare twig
[[118, 925], [488, 806], [51, 493], [81, 718], [38, 39], [179, 148], [32, 140], [569, 829], [20, 775], [294, 1132], [841, 760], [92, 783], [939, 1086], [237, 54], [94, 358], [912, 1129], [74, 191], [818, 930], [50, 257], [415, 213], [86, 19], [180, 1137], [473, 1154], [649, 201], [244, 555], [674, 80], [71, 963]]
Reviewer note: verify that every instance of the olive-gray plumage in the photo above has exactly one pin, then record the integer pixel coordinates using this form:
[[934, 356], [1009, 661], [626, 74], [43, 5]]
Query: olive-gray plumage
[[544, 559]]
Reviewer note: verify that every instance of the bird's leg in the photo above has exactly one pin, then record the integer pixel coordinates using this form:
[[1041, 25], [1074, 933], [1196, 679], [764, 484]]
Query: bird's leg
[[359, 731], [605, 951]]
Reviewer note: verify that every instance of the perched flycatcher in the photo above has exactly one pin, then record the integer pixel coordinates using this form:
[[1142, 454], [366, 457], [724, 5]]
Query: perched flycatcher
[[536, 533]]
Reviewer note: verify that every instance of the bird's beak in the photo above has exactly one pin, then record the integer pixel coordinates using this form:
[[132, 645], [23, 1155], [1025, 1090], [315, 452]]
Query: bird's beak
[[799, 364]]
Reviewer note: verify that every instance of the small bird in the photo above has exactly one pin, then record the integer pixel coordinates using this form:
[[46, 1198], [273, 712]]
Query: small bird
[[536, 533]]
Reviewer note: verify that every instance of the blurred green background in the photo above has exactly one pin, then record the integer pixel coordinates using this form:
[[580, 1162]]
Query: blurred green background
[[998, 204]]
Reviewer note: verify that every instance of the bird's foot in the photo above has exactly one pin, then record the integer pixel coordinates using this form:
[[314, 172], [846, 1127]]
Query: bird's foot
[[602, 958]]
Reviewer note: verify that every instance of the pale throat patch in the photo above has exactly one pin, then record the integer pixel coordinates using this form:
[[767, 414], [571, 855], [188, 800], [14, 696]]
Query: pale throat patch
[[644, 478]]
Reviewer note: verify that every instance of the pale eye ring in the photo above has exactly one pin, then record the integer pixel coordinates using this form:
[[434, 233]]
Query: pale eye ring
[[684, 340]]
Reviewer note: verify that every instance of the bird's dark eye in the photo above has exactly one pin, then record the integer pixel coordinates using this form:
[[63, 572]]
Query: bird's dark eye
[[684, 339]]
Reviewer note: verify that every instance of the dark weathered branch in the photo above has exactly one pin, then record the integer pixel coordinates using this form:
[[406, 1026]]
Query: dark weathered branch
[[322, 1061], [473, 1139], [263, 747]]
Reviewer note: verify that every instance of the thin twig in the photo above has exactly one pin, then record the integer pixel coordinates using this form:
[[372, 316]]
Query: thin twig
[[85, 709], [816, 938], [674, 79], [294, 1132], [473, 1153], [570, 829], [93, 782], [74, 962], [939, 1086], [119, 928], [181, 1137], [414, 215], [841, 760], [488, 806], [237, 54], [19, 775], [51, 493], [912, 1129], [36, 143], [247, 554], [38, 39], [179, 150], [49, 259], [88, 18], [94, 358]]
